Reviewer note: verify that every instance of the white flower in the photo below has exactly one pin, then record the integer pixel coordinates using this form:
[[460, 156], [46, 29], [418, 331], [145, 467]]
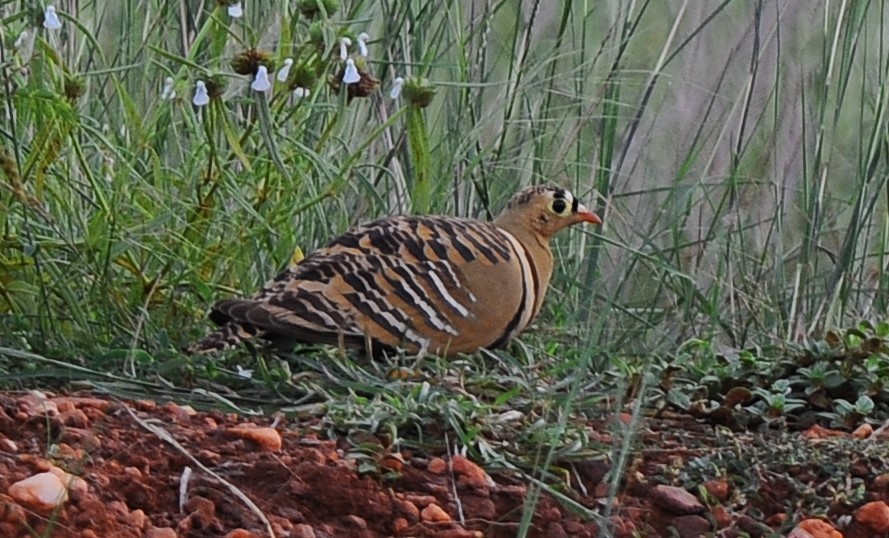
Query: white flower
[[50, 19], [284, 72], [243, 372], [235, 11], [351, 76], [301, 92], [261, 82], [396, 87], [168, 92], [345, 43], [362, 43], [201, 98]]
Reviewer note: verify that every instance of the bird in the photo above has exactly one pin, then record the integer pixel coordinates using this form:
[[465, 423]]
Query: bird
[[437, 285]]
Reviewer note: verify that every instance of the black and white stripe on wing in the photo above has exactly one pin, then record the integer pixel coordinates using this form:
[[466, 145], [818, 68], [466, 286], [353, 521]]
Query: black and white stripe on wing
[[367, 299], [440, 276], [403, 283]]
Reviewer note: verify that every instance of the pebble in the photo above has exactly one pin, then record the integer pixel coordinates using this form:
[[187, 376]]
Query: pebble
[[718, 489], [818, 528], [434, 513], [863, 432], [355, 522], [437, 466], [470, 473], [303, 531], [267, 438], [399, 525], [43, 491], [875, 515], [691, 526], [240, 533], [881, 481], [408, 509], [161, 532], [676, 500]]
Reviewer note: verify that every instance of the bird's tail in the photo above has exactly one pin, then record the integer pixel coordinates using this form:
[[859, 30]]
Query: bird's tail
[[227, 336]]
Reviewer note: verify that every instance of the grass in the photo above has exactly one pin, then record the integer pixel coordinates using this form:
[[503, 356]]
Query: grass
[[737, 150]]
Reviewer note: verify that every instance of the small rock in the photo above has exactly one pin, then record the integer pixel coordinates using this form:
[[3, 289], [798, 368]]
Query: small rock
[[145, 405], [752, 527], [691, 526], [7, 445], [437, 466], [281, 526], [400, 525], [420, 500], [68, 403], [181, 412], [434, 513], [718, 489], [819, 528], [137, 519], [555, 530], [201, 511], [820, 432], [860, 468], [209, 424], [303, 531], [799, 533], [738, 396], [160, 532], [35, 404], [592, 472], [881, 481], [676, 500], [267, 438], [602, 490], [240, 533], [43, 491], [133, 472], [12, 512], [470, 473], [776, 520], [722, 516], [393, 462], [72, 483], [874, 515], [355, 522], [408, 509], [209, 456], [74, 418], [863, 432]]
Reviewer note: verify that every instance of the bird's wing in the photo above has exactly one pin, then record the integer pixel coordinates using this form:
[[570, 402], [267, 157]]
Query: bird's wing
[[403, 281]]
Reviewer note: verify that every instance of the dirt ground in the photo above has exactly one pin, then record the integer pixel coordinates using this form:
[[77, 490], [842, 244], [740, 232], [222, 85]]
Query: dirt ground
[[682, 478]]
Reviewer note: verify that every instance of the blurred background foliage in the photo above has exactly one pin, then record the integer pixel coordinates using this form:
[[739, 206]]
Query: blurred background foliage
[[736, 150]]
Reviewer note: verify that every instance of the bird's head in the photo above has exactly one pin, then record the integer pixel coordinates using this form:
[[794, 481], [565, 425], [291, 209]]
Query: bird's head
[[544, 210]]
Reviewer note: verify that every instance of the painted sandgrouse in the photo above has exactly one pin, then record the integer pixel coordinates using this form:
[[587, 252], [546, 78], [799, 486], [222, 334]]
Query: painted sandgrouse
[[441, 285]]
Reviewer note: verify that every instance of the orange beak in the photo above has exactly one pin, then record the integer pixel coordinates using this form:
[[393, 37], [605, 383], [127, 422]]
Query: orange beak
[[585, 215]]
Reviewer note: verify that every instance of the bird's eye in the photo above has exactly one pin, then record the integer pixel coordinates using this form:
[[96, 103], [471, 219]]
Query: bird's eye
[[559, 206]]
